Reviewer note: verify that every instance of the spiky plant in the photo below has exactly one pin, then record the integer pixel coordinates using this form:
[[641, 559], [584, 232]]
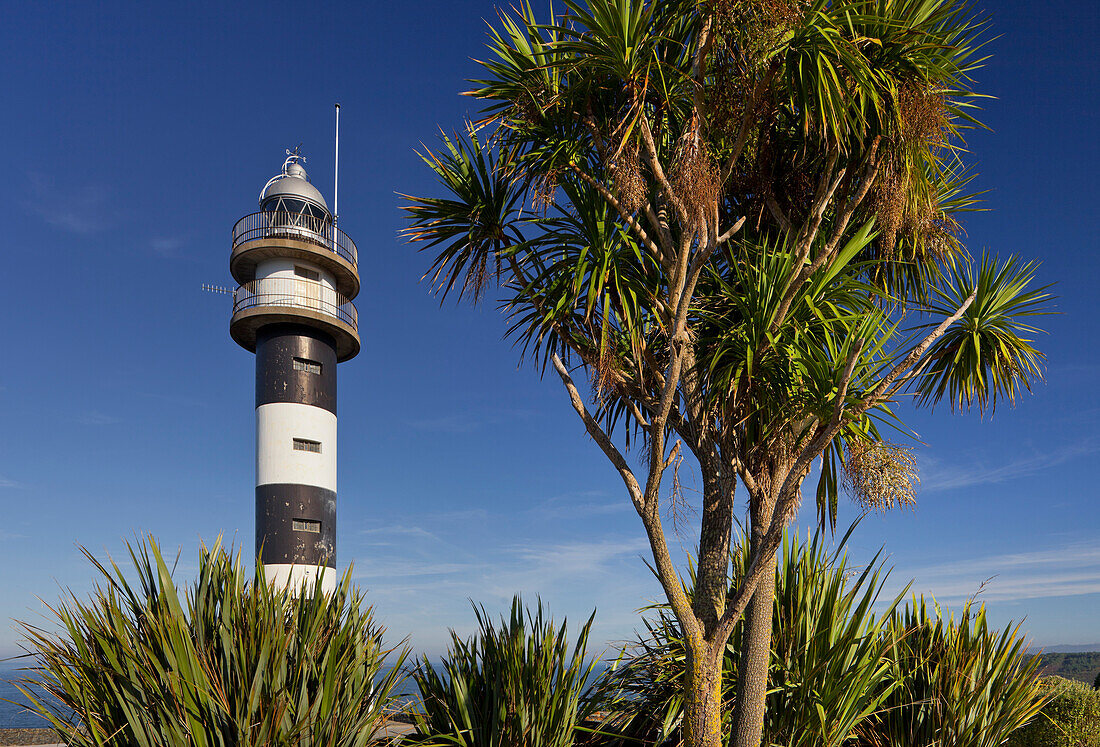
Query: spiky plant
[[224, 660], [829, 669], [961, 682], [518, 684]]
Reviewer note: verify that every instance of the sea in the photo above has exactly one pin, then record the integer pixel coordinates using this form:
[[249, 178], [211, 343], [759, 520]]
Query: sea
[[13, 712]]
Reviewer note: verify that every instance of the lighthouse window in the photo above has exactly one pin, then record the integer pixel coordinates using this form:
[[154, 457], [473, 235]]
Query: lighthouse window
[[293, 206], [304, 444], [304, 364], [305, 272], [305, 525]]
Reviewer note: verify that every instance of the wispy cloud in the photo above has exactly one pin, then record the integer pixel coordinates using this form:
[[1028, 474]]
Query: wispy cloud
[[403, 570], [939, 476], [446, 424], [81, 210], [466, 422], [457, 515], [576, 505], [579, 557], [6, 483], [167, 246], [93, 417], [175, 400], [426, 588], [394, 534], [1065, 571]]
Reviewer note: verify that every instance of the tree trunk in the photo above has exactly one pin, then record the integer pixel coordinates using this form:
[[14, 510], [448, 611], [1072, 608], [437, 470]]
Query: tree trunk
[[752, 669], [712, 576], [702, 724]]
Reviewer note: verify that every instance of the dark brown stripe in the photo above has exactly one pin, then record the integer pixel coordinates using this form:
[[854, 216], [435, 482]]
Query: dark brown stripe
[[277, 380], [277, 506]]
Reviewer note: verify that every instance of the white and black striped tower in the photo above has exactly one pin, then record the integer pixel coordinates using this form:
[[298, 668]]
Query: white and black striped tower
[[298, 275]]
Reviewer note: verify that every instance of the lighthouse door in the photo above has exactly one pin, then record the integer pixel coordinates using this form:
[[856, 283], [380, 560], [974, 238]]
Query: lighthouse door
[[309, 287]]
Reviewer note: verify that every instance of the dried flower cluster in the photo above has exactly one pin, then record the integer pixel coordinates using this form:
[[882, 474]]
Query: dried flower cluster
[[630, 183], [542, 192], [694, 175], [880, 475], [922, 115]]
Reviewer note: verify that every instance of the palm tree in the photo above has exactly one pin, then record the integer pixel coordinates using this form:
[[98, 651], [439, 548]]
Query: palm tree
[[738, 219]]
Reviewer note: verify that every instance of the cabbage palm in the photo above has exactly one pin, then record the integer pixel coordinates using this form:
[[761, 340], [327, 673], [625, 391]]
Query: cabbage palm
[[738, 220]]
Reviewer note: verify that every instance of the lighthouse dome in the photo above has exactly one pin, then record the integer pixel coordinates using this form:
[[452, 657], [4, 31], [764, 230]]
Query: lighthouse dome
[[291, 192]]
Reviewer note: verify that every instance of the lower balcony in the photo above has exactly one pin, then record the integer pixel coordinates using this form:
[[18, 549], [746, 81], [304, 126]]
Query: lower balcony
[[298, 301]]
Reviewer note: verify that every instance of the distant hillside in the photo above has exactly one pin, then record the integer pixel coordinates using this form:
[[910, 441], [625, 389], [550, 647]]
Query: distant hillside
[[1081, 666]]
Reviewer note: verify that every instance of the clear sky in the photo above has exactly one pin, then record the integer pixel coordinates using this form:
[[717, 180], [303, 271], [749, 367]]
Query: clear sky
[[136, 134]]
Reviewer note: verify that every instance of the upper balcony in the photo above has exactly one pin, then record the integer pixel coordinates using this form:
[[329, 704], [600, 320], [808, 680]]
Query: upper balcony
[[267, 235], [275, 300]]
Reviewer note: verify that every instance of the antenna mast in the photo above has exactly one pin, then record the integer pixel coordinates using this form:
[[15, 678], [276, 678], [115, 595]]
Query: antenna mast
[[336, 173]]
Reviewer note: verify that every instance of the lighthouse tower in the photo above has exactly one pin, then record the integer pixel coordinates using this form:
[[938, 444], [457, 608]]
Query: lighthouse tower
[[298, 275]]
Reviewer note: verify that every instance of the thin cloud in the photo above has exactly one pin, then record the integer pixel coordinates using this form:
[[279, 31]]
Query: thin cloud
[[458, 515], [1071, 556], [938, 476], [405, 569], [424, 597], [446, 424], [93, 417], [467, 422], [83, 210], [167, 247], [1072, 570], [395, 534], [575, 505], [579, 557], [6, 483]]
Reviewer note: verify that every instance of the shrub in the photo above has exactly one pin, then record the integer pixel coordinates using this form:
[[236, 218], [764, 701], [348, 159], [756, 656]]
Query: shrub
[[1071, 718], [960, 683], [516, 685], [829, 667], [229, 661], [838, 674]]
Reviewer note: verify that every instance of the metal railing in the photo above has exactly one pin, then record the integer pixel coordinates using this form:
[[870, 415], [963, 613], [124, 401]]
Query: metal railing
[[280, 225], [296, 293]]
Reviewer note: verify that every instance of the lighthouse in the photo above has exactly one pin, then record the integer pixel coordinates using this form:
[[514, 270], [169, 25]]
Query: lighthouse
[[298, 274]]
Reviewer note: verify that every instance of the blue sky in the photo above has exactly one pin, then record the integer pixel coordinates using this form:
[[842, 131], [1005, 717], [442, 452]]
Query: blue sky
[[136, 134]]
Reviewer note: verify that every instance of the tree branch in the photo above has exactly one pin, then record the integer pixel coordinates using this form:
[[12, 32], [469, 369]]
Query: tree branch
[[659, 173], [699, 65], [598, 435], [635, 226], [777, 212], [826, 187], [879, 392], [845, 380], [666, 571], [750, 117], [732, 230]]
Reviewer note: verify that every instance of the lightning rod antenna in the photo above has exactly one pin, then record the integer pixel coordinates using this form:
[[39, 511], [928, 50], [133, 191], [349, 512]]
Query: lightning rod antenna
[[336, 173]]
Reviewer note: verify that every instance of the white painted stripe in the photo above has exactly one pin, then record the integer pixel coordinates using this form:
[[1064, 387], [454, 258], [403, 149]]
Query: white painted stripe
[[277, 461], [284, 268], [284, 576]]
